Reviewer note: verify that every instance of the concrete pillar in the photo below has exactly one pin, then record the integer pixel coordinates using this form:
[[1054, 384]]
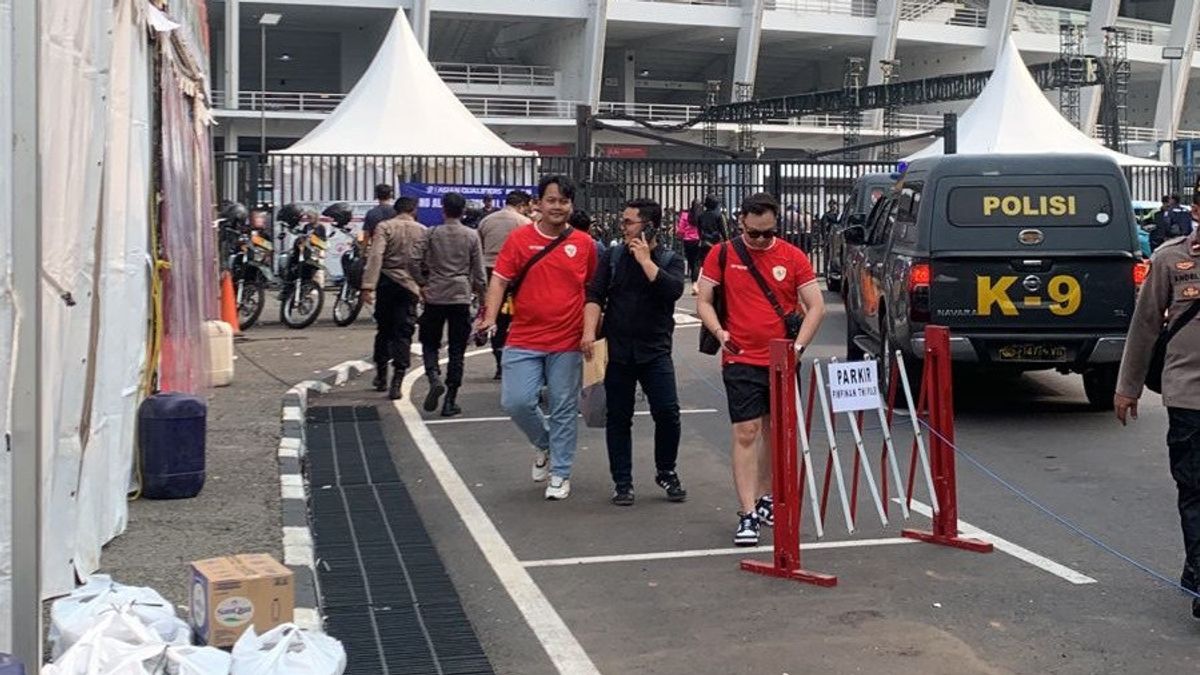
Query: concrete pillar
[[595, 33], [1000, 16], [629, 79], [233, 60], [1173, 83], [883, 48], [749, 41], [421, 18], [1104, 13]]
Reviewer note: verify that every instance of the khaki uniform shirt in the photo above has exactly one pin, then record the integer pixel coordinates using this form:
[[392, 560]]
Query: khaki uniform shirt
[[397, 250], [1173, 285], [494, 230], [453, 265]]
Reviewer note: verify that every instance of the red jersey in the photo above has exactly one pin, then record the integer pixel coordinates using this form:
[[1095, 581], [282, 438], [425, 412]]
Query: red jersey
[[751, 321], [548, 307]]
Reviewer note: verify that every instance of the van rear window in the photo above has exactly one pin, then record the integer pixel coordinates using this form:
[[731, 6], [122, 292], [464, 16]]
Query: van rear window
[[1031, 206]]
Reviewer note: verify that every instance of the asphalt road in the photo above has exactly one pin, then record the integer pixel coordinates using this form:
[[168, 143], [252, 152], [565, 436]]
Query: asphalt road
[[898, 608]]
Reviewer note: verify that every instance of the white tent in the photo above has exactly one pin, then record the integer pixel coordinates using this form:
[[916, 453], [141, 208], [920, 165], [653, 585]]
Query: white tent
[[401, 107], [1012, 116]]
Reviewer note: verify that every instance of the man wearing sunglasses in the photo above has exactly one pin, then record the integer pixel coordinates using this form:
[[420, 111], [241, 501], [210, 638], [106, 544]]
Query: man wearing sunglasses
[[752, 320]]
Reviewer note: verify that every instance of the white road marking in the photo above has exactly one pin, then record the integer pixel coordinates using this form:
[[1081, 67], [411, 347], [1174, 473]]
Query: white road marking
[[1016, 551], [709, 552], [637, 413], [682, 319], [552, 632]]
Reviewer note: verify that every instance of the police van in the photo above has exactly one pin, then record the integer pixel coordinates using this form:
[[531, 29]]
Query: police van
[[1032, 261]]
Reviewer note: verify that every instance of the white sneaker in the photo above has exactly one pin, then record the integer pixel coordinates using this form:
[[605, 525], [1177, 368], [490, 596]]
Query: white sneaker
[[541, 466], [559, 488]]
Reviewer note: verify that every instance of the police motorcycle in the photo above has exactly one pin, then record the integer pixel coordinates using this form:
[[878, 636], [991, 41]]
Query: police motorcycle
[[348, 302], [302, 268], [248, 258]]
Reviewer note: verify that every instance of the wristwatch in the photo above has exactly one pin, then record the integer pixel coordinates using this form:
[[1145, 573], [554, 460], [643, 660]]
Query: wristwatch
[[800, 349]]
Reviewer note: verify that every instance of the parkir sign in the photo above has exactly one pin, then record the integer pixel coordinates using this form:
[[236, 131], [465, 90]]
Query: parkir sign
[[854, 386]]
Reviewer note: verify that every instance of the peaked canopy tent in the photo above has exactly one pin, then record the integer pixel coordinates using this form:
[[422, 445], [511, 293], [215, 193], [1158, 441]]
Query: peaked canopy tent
[[1012, 116], [399, 124]]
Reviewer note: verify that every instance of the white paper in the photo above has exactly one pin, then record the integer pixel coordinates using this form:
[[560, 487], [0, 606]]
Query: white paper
[[854, 386]]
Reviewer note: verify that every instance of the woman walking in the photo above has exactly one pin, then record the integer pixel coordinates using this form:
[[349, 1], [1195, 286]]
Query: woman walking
[[688, 231]]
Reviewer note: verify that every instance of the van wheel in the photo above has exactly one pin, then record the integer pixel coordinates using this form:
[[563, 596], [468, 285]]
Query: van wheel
[[834, 285], [912, 367], [1100, 384], [853, 351]]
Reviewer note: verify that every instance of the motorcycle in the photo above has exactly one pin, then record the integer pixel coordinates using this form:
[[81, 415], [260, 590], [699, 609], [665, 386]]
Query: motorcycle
[[348, 302], [249, 253], [301, 297]]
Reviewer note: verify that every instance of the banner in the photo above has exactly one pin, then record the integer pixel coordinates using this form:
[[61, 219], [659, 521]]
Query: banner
[[429, 197]]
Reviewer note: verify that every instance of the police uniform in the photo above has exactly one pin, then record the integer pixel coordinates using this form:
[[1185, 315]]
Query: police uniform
[[1171, 287]]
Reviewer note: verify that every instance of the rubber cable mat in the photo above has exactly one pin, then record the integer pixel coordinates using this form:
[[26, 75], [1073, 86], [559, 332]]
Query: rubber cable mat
[[384, 589]]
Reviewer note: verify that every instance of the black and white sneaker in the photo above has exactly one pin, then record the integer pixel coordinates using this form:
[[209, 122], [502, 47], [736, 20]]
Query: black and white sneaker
[[764, 508], [623, 495], [747, 530], [669, 481]]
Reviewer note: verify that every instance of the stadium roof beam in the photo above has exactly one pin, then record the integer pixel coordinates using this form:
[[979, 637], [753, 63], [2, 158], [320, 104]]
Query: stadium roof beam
[[1173, 85]]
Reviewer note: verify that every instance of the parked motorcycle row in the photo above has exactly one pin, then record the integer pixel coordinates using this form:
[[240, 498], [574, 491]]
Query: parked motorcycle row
[[299, 276]]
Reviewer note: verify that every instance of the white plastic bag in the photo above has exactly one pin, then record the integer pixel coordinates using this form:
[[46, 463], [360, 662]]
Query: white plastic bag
[[287, 650], [198, 661], [118, 644], [72, 616]]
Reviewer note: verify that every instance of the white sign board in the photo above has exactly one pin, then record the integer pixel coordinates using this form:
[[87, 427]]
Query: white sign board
[[854, 386]]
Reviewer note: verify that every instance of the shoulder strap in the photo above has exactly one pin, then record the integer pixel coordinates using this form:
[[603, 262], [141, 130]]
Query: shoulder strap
[[515, 284], [1183, 320], [740, 247]]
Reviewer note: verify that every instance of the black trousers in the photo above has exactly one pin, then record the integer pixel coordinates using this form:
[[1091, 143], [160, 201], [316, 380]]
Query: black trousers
[[620, 386], [503, 322], [435, 321], [691, 252], [1183, 441], [395, 321]]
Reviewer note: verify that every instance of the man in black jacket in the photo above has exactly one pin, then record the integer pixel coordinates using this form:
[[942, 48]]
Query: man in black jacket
[[636, 285]]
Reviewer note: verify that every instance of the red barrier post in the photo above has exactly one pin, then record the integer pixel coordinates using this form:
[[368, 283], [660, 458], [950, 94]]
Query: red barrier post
[[785, 475], [937, 383]]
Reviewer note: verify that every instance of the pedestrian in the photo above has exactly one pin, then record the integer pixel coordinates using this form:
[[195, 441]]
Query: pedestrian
[[1170, 221], [688, 231], [489, 205], [392, 281], [493, 232], [582, 222], [770, 292], [636, 286], [453, 269], [1172, 289], [712, 226], [545, 267], [383, 210]]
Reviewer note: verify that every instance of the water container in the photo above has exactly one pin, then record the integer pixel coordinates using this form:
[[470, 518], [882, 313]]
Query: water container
[[9, 665], [171, 428], [219, 336]]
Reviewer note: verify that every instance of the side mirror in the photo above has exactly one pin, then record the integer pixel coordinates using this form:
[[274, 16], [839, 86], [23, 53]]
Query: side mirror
[[855, 235], [857, 219]]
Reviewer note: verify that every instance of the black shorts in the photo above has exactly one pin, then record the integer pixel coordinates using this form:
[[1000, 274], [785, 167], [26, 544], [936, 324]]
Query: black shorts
[[748, 390]]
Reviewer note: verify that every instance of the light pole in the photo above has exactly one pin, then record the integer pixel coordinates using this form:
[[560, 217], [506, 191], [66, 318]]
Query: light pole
[[1172, 55], [267, 19]]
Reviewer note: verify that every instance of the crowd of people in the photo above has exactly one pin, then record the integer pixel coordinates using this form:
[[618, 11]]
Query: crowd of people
[[551, 291]]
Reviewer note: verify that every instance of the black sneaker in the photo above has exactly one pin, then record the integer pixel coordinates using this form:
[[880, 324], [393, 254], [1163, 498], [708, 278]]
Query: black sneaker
[[669, 481], [764, 508], [623, 495], [1188, 578], [436, 389], [380, 382], [747, 530]]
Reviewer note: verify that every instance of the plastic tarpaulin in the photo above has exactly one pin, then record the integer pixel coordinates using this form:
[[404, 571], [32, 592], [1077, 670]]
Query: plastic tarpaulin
[[7, 335]]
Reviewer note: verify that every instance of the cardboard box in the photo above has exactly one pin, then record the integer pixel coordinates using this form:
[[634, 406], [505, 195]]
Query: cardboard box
[[232, 593]]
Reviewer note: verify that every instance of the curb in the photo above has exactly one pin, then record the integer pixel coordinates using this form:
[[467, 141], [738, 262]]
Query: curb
[[293, 488]]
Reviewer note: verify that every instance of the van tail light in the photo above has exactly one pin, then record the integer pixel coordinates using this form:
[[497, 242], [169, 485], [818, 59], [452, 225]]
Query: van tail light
[[920, 276], [1141, 270]]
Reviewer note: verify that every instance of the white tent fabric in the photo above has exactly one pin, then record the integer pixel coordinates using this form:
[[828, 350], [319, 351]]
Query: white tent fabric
[[1012, 116], [401, 107]]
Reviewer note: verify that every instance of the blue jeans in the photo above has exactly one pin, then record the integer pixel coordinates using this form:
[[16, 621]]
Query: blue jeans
[[525, 371]]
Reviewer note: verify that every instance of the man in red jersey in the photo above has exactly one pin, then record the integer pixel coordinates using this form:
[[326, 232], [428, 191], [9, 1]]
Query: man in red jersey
[[545, 268], [752, 320]]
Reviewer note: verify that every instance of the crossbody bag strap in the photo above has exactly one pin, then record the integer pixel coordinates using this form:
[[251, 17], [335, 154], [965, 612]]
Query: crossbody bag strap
[[740, 247], [1183, 320], [515, 284]]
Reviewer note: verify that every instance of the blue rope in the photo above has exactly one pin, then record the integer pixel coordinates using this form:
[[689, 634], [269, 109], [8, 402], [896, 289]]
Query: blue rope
[[1021, 494]]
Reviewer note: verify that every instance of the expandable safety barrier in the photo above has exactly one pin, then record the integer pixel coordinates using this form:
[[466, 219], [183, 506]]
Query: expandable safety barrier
[[930, 416]]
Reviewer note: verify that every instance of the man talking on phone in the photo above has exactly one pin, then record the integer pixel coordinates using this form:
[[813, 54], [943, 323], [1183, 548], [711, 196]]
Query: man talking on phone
[[770, 293], [636, 285]]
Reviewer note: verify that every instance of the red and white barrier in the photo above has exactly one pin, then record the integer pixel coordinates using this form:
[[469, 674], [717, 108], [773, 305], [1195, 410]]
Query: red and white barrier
[[793, 475]]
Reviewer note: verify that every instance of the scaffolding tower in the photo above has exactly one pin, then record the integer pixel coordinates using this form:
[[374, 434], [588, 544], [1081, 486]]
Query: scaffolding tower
[[1114, 103], [891, 111], [852, 84], [746, 143], [712, 93], [1074, 70]]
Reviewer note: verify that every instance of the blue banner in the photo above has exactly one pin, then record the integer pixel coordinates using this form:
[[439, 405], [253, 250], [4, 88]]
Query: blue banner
[[429, 198]]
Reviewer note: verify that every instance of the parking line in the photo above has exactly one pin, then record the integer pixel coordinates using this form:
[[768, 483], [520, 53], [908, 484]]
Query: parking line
[[638, 413], [548, 627], [1016, 551], [710, 552]]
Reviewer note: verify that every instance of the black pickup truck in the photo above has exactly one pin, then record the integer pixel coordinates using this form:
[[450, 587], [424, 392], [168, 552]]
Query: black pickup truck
[[1032, 261]]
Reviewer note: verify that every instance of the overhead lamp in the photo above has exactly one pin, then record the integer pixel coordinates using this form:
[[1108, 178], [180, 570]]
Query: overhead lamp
[[1172, 53], [270, 19]]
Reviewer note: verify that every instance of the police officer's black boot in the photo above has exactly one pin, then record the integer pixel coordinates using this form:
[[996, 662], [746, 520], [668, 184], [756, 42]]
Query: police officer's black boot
[[499, 371], [394, 392], [380, 382], [449, 406]]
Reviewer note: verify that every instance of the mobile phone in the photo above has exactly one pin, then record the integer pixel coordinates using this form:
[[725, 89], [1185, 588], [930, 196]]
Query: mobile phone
[[645, 238], [733, 347]]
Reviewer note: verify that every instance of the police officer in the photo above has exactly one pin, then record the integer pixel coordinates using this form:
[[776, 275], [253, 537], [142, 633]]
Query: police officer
[[1173, 287]]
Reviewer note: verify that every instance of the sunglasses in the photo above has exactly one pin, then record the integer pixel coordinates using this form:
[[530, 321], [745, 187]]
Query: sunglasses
[[760, 234]]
